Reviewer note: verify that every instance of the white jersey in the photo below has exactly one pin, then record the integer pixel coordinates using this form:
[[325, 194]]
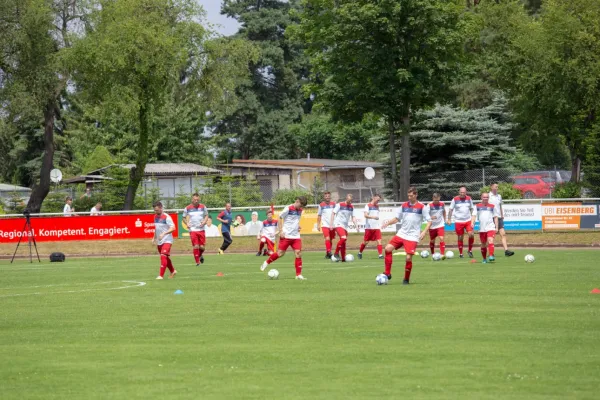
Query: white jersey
[[372, 211], [343, 215], [197, 214], [324, 211], [269, 229], [436, 213], [463, 208], [485, 216], [291, 222], [496, 199], [68, 210], [95, 211], [163, 223], [410, 217]]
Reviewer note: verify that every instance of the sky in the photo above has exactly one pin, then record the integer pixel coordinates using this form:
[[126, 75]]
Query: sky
[[224, 25]]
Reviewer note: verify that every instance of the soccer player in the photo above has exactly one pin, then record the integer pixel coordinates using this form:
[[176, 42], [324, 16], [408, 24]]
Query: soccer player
[[225, 218], [496, 200], [410, 215], [163, 238], [340, 218], [487, 214], [324, 221], [464, 218], [289, 235], [267, 235], [68, 210], [195, 216], [437, 213], [372, 229]]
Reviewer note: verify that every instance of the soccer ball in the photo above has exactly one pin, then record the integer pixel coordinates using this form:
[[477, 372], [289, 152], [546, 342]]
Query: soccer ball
[[529, 258], [334, 259], [273, 274], [381, 279], [449, 254], [424, 254], [436, 257], [349, 258]]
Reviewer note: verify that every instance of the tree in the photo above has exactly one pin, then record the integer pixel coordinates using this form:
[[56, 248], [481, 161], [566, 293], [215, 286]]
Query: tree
[[139, 51], [388, 58], [34, 34], [99, 158], [270, 99], [550, 71]]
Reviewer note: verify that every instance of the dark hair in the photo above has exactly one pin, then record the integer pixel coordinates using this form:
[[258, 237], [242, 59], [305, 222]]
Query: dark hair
[[243, 218], [269, 212], [412, 189], [302, 200], [493, 183], [436, 195], [327, 192], [377, 195], [68, 198], [196, 195], [157, 204]]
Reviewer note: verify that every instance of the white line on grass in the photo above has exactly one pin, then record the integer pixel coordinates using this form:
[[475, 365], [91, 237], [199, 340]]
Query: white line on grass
[[133, 284]]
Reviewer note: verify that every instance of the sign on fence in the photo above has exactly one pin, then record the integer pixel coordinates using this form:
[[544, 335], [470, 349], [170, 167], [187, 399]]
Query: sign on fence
[[54, 229], [569, 215]]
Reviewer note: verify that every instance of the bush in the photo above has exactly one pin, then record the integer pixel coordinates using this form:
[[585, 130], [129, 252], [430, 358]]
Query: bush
[[55, 203], [238, 191], [284, 197], [567, 190], [15, 205], [506, 190]]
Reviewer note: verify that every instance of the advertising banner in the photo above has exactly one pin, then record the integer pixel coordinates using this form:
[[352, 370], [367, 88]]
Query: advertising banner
[[522, 217], [591, 220], [54, 229], [567, 215], [245, 223]]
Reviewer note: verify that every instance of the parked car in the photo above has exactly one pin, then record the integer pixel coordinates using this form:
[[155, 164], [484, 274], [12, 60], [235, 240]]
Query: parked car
[[534, 186], [556, 175]]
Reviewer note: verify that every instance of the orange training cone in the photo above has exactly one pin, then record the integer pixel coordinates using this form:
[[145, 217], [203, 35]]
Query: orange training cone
[[595, 291]]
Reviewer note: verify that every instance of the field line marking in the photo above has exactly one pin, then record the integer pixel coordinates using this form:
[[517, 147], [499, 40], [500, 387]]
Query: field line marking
[[130, 284]]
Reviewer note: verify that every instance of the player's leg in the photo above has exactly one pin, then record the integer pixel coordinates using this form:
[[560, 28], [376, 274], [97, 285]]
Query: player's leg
[[394, 244], [366, 238], [491, 248], [270, 246], [163, 263], [166, 251], [442, 243], [227, 240], [410, 248], [432, 236], [379, 246], [484, 243], [460, 232], [201, 246], [283, 245], [297, 246], [195, 247], [341, 245], [471, 234], [327, 236], [261, 245], [502, 232]]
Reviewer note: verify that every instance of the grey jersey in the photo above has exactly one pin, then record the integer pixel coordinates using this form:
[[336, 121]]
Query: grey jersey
[[163, 223]]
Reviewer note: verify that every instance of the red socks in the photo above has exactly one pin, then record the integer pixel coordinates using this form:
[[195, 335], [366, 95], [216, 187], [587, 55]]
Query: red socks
[[379, 249], [388, 263], [443, 247], [261, 247], [432, 247], [328, 246], [484, 252], [491, 247], [163, 264], [471, 241], [272, 257], [460, 247], [341, 246], [407, 270], [298, 265], [362, 247], [196, 255]]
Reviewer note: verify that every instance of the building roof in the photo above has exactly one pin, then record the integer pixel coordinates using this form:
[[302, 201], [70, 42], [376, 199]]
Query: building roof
[[313, 163], [176, 169], [6, 187]]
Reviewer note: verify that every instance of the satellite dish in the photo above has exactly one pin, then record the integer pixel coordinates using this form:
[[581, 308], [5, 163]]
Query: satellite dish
[[369, 173], [55, 175]]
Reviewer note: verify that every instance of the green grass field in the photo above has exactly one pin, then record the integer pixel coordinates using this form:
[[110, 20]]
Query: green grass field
[[89, 329]]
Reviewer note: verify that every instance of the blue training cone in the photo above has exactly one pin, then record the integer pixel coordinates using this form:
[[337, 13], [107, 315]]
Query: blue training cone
[[178, 291]]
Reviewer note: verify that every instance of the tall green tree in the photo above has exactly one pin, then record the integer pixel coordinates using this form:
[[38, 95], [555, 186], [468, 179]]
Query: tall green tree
[[389, 58], [270, 99], [139, 51], [33, 37]]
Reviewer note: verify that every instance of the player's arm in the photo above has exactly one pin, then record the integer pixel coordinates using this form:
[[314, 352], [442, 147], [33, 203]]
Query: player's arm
[[496, 216], [171, 229], [355, 221], [425, 230], [205, 219], [319, 214], [390, 222], [333, 213], [220, 218], [473, 215], [283, 214], [449, 218]]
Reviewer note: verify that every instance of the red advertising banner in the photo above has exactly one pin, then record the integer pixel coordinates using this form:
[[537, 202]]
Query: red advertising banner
[[56, 229]]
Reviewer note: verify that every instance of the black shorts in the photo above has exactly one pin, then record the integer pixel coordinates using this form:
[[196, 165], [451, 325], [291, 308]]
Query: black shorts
[[500, 223]]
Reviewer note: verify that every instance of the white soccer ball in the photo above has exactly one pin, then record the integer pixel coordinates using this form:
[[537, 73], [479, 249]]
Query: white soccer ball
[[333, 258], [436, 256], [529, 258], [273, 274], [424, 254], [349, 258], [449, 254], [381, 279]]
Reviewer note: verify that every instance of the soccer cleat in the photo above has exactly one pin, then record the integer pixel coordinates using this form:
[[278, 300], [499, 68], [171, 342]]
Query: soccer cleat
[[334, 258], [405, 282], [159, 277], [509, 253], [381, 257], [389, 276], [258, 254], [221, 252], [359, 256], [484, 261], [491, 259], [172, 274], [201, 259], [265, 253], [328, 256], [263, 266], [197, 264], [470, 254], [300, 278], [461, 256]]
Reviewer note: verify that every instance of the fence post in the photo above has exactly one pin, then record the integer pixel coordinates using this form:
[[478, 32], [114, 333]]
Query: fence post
[[229, 185], [483, 176]]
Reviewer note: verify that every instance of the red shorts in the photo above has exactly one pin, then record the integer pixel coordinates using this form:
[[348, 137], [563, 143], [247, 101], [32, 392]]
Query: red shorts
[[484, 236], [285, 243], [328, 233], [409, 246], [198, 238], [268, 242], [341, 232], [433, 233], [462, 227], [165, 249], [372, 235]]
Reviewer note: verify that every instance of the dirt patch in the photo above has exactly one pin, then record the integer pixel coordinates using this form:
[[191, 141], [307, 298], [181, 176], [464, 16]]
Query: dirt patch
[[108, 248]]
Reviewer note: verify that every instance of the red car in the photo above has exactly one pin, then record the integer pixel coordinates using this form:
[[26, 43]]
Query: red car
[[534, 186]]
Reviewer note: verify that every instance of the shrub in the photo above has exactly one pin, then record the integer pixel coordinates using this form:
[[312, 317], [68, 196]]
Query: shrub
[[567, 190], [506, 190], [288, 196]]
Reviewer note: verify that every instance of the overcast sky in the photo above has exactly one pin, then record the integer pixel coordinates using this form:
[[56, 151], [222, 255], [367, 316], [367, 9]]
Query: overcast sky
[[223, 25]]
